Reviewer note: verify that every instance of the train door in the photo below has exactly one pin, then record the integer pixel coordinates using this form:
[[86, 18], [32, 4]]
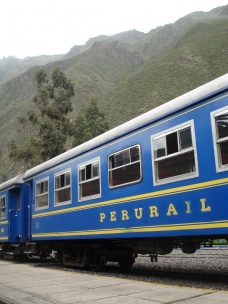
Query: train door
[[15, 215]]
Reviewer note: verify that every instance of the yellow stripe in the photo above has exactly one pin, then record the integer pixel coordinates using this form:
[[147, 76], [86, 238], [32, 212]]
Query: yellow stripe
[[179, 227], [199, 186], [3, 238], [4, 223]]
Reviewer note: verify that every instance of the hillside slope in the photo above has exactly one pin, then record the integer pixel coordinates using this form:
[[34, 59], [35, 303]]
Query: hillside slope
[[198, 57]]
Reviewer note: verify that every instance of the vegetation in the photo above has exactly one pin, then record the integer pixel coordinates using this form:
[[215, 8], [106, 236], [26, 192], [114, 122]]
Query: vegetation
[[53, 105], [90, 123], [220, 242]]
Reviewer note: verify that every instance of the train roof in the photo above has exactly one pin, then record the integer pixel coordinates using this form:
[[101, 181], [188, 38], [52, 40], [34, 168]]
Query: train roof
[[211, 88], [13, 182]]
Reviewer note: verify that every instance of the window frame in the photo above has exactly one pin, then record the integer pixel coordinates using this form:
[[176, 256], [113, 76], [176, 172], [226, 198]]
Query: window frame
[[125, 165], [44, 193], [58, 174], [4, 207], [80, 168], [180, 177], [216, 141]]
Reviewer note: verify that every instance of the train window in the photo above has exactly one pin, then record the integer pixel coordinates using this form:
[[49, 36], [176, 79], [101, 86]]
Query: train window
[[63, 188], [89, 180], [2, 207], [125, 167], [174, 154], [220, 136], [42, 194]]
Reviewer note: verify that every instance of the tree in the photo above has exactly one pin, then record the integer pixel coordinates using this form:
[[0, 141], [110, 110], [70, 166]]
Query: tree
[[53, 104], [90, 123]]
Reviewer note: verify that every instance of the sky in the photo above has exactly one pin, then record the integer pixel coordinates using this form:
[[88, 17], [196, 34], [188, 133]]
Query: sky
[[50, 27]]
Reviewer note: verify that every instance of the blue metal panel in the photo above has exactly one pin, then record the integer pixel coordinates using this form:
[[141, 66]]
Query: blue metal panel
[[186, 211], [196, 206]]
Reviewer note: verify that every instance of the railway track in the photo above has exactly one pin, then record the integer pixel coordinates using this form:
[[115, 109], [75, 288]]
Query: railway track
[[204, 269], [198, 270]]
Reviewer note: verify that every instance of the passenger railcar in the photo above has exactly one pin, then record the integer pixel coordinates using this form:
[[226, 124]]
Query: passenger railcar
[[153, 183]]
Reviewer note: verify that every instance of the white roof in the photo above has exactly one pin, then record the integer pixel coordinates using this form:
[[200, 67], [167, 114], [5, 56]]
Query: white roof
[[12, 182], [168, 107]]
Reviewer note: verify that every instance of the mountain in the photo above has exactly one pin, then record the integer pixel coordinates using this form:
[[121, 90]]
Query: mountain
[[130, 72], [11, 67], [198, 56], [129, 37]]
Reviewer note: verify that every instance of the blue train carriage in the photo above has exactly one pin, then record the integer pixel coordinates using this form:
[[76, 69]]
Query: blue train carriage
[[13, 217], [153, 183]]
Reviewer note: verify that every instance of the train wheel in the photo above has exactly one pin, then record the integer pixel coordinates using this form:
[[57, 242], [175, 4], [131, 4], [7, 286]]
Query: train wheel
[[100, 261], [126, 261], [29, 256]]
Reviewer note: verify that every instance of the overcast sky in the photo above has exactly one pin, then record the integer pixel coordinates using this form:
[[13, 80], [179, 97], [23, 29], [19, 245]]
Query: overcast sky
[[36, 27]]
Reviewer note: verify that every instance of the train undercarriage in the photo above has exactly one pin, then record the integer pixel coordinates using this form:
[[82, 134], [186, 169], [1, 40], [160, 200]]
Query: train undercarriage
[[94, 254]]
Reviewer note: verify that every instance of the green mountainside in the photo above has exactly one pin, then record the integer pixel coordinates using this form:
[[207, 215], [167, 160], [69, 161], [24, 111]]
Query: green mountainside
[[199, 56], [130, 73], [130, 37], [12, 67]]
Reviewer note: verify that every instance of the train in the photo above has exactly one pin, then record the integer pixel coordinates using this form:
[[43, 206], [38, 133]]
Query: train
[[154, 183]]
